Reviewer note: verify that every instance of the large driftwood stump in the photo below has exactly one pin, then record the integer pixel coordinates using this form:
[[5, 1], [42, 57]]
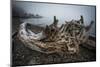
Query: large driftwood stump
[[54, 39]]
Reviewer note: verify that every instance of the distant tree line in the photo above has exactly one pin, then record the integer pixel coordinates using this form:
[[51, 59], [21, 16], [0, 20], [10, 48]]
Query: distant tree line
[[20, 13]]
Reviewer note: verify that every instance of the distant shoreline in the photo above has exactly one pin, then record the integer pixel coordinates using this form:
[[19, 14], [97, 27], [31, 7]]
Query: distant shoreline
[[37, 16]]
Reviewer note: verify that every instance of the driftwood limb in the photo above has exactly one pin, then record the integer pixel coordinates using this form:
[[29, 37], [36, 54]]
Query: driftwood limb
[[54, 39]]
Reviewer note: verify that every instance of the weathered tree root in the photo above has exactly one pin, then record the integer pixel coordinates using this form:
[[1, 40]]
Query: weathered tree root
[[53, 39]]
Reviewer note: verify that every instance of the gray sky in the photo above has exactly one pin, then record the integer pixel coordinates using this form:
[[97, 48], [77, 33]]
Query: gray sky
[[63, 12]]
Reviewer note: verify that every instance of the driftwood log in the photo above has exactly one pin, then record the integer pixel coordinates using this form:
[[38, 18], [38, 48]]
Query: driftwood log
[[54, 39]]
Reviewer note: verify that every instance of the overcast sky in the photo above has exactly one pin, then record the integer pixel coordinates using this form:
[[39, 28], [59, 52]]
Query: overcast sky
[[62, 11]]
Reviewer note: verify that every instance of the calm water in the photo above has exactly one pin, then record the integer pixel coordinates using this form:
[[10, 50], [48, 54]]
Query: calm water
[[38, 21]]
